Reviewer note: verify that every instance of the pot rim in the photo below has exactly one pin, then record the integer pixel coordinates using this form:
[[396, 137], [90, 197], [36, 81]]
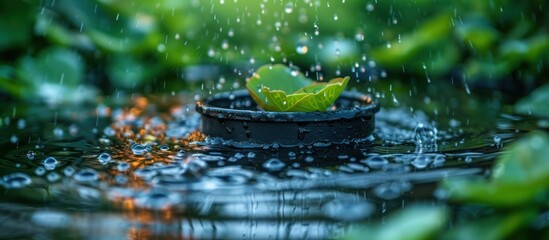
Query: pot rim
[[207, 108]]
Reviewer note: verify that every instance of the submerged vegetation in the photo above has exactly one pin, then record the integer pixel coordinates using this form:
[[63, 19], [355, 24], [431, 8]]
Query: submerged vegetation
[[441, 69]]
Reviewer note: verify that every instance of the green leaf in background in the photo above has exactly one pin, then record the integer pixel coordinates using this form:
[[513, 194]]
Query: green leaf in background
[[536, 103], [412, 223], [281, 89], [496, 227], [54, 76], [53, 65], [275, 77], [15, 24], [520, 176]]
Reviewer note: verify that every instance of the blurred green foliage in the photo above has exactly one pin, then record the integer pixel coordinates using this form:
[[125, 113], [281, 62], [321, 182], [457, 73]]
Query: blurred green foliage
[[128, 45], [507, 205]]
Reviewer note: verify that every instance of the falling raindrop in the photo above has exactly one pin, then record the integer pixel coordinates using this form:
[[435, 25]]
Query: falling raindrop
[[289, 8]]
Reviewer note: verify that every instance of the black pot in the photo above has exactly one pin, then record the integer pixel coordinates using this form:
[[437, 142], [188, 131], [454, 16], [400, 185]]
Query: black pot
[[234, 117]]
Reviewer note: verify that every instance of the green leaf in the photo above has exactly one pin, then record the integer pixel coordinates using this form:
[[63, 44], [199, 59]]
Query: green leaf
[[536, 103], [413, 223], [275, 77], [279, 88], [520, 176], [495, 227], [55, 66]]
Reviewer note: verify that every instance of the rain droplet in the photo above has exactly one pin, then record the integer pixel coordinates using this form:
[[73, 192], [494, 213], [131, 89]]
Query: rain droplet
[[139, 149], [53, 176], [50, 163], [122, 166], [39, 171], [69, 171], [86, 175], [104, 158], [31, 155], [421, 161], [58, 132], [376, 162], [164, 148], [16, 180], [274, 164], [370, 7]]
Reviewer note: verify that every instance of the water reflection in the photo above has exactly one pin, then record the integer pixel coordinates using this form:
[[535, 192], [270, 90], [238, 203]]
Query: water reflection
[[139, 173]]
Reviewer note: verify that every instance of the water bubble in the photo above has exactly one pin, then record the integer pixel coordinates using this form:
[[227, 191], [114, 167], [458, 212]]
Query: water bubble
[[370, 7], [73, 130], [348, 210], [139, 149], [104, 158], [120, 179], [164, 148], [391, 190], [251, 155], [40, 171], [21, 123], [359, 36], [225, 44], [53, 176], [31, 155], [239, 155], [468, 159], [69, 171], [50, 163], [15, 180], [157, 199], [211, 52], [58, 132], [376, 161], [108, 131], [86, 175], [14, 139], [274, 164], [421, 161], [122, 166], [309, 159]]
